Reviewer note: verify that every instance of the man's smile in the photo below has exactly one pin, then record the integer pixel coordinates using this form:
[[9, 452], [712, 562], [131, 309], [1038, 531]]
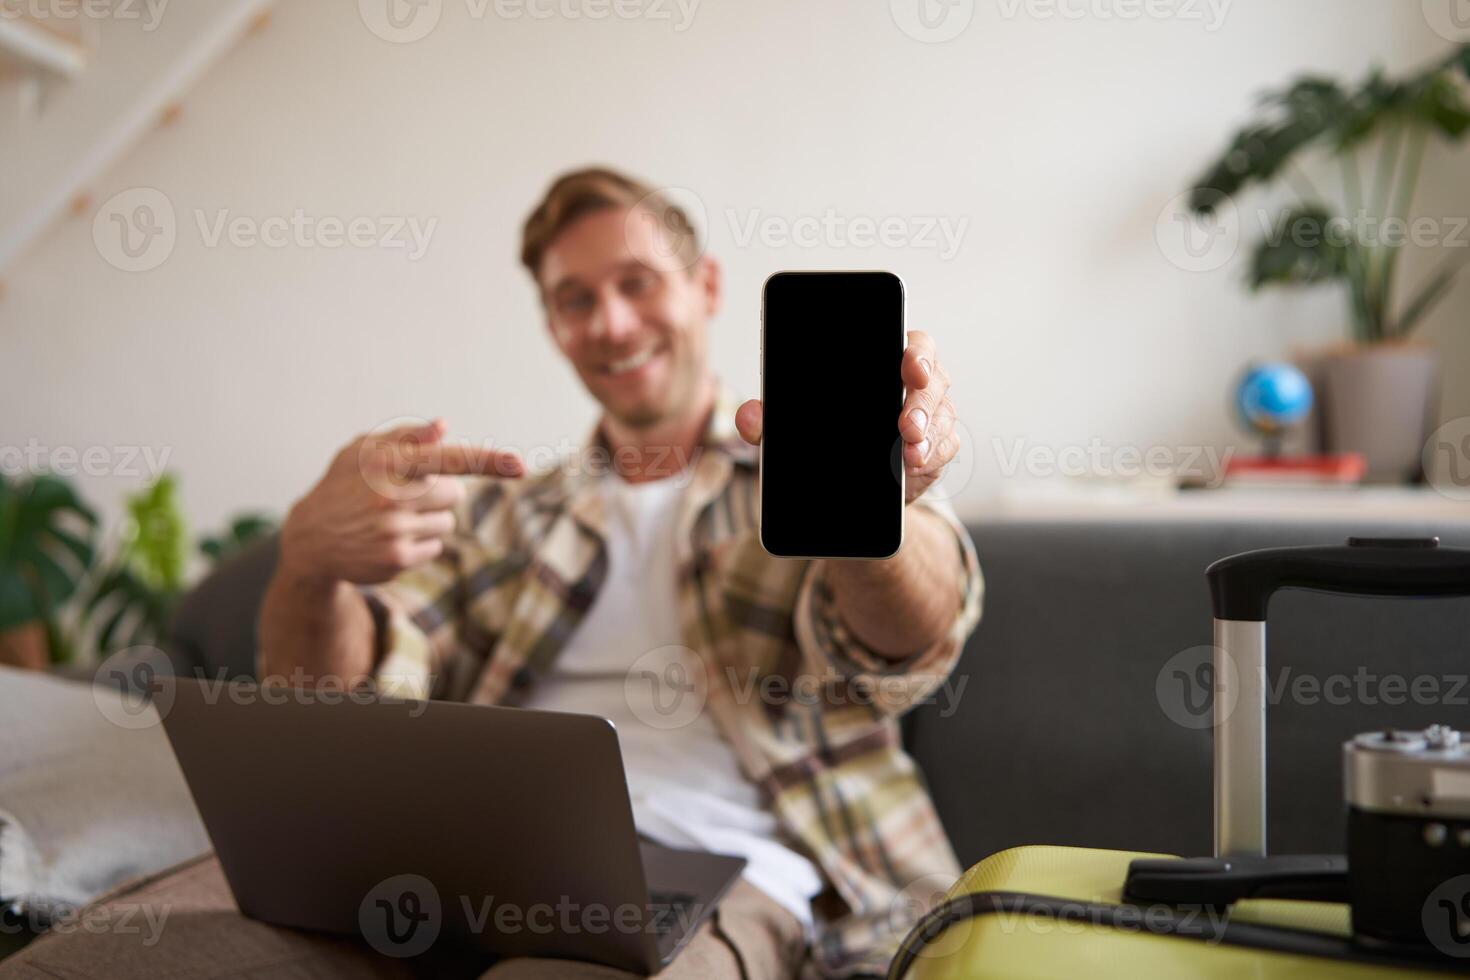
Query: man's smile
[[631, 363]]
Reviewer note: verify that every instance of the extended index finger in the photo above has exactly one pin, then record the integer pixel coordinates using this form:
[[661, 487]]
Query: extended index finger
[[464, 459]]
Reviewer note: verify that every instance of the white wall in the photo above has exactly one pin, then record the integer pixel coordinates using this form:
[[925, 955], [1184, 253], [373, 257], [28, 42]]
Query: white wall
[[138, 58], [1059, 140]]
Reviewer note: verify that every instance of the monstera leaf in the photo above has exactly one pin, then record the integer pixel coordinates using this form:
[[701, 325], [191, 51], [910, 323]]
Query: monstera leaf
[[1301, 250], [47, 543], [1297, 116], [1318, 113]]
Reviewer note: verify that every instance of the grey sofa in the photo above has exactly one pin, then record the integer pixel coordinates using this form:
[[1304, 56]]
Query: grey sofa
[[1059, 734]]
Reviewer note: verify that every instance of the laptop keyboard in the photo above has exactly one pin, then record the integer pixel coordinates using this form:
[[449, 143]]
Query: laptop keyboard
[[670, 909]]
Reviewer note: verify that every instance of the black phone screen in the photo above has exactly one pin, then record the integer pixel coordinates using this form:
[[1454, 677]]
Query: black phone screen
[[831, 390]]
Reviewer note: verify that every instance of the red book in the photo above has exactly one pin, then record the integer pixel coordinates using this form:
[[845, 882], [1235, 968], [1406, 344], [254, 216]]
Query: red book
[[1333, 468]]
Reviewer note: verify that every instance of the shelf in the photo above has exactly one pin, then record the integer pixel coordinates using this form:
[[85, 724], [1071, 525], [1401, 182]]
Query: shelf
[[1367, 502]]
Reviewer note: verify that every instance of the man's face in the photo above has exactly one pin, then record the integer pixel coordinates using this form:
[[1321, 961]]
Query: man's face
[[627, 314]]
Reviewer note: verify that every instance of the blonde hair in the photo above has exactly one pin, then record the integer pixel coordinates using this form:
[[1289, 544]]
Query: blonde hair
[[580, 192]]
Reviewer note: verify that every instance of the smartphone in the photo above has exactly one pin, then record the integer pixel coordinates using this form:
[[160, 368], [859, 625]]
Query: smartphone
[[831, 458]]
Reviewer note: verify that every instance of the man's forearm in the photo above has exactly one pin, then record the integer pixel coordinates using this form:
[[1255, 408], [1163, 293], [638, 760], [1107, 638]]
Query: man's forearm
[[902, 604], [321, 629]]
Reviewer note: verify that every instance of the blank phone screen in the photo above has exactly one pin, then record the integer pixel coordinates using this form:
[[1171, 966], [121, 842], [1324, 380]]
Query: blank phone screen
[[831, 391]]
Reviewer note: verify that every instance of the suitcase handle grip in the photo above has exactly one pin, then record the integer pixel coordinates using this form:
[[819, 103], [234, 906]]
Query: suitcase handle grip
[[1241, 586]]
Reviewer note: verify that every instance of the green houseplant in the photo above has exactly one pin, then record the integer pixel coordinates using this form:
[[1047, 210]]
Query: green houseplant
[[136, 591], [62, 595], [1376, 132], [47, 544]]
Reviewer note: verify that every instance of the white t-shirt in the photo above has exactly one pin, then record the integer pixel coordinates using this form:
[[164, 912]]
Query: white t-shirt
[[686, 787]]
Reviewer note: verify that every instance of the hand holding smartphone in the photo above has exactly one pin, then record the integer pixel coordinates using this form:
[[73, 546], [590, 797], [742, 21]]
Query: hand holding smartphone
[[831, 460]]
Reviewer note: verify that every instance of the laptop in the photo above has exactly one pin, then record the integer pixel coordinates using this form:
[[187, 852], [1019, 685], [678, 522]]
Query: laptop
[[411, 823]]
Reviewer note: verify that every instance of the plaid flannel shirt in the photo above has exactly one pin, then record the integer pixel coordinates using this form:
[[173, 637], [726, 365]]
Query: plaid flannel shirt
[[809, 711]]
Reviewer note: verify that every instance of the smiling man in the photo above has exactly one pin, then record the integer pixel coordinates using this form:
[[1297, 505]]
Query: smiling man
[[546, 590], [443, 570]]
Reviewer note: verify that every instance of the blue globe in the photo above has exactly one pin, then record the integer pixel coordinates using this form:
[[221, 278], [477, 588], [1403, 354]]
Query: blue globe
[[1273, 397]]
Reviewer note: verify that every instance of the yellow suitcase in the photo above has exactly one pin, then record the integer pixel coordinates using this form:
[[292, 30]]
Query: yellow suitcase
[[1060, 912], [1015, 939]]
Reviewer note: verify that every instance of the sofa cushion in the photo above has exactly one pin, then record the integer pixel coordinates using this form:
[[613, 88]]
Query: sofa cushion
[[90, 795]]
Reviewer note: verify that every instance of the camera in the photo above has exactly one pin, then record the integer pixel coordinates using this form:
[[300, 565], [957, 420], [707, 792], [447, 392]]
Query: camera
[[1408, 837]]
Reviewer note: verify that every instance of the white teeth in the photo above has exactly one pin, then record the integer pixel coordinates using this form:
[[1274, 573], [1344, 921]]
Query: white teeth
[[631, 363]]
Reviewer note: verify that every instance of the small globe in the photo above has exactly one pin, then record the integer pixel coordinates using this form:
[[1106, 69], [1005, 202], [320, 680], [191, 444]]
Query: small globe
[[1272, 398]]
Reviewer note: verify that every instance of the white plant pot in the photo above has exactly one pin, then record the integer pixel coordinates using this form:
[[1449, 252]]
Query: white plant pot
[[1381, 401]]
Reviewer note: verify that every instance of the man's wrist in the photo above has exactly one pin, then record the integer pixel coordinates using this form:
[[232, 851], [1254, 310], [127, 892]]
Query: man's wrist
[[915, 520], [301, 581]]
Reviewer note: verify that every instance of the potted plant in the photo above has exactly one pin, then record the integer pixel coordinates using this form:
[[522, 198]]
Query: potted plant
[[49, 559], [47, 544], [136, 594], [1378, 394]]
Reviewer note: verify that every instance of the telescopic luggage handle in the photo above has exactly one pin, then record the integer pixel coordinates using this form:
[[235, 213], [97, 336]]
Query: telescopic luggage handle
[[1241, 587]]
